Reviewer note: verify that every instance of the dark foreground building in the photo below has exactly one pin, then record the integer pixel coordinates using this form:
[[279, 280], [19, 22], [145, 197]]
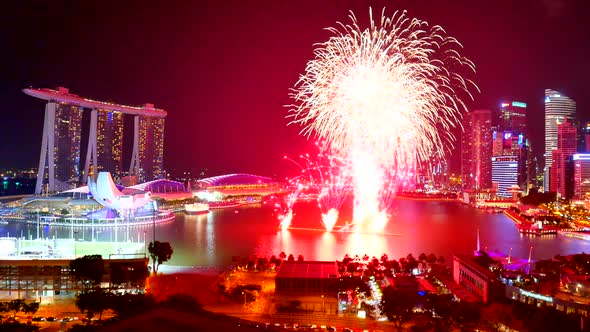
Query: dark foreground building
[[310, 286]]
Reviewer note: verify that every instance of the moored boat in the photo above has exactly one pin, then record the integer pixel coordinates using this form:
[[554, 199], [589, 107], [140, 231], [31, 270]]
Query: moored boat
[[196, 208]]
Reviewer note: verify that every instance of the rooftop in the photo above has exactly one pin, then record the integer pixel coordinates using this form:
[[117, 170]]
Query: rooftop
[[308, 269]]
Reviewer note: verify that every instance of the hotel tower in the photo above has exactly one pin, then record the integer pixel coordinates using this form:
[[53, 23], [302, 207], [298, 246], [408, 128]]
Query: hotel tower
[[59, 161]]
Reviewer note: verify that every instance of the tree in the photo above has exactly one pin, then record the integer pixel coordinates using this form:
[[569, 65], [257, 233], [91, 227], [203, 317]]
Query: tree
[[403, 262], [398, 305], [346, 260], [18, 305], [31, 308], [127, 305], [431, 259], [282, 255], [396, 266], [15, 306], [129, 274], [291, 258], [300, 258], [412, 263], [94, 302], [160, 252], [3, 308], [442, 307], [422, 259], [88, 270]]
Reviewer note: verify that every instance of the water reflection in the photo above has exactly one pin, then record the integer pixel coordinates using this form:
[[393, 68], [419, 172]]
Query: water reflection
[[442, 228]]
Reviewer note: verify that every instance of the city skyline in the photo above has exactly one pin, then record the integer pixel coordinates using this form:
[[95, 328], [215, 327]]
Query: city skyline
[[224, 70]]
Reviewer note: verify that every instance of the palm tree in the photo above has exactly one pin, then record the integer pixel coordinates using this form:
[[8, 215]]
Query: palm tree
[[346, 259], [403, 262], [431, 259], [366, 258], [422, 259], [384, 259], [412, 262], [395, 266]]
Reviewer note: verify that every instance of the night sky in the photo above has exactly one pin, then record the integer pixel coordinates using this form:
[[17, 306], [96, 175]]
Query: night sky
[[223, 69]]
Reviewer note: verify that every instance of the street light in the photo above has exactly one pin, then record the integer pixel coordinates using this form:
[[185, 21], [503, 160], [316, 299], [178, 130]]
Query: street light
[[37, 224], [76, 233], [155, 209], [323, 304], [244, 297]]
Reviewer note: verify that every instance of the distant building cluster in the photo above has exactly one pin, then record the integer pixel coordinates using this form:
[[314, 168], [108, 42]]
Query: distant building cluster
[[60, 164], [497, 156]]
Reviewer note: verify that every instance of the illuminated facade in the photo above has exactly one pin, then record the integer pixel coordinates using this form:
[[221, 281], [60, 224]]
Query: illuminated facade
[[109, 142], [513, 117], [557, 108], [62, 135], [59, 161], [476, 153], [147, 161], [561, 169], [581, 175], [505, 173], [478, 281], [507, 143]]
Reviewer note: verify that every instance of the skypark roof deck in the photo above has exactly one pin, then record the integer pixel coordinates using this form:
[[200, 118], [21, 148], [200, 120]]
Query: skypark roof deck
[[63, 95]]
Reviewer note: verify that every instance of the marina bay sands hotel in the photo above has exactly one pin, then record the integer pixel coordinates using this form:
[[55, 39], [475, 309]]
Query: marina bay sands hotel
[[59, 161]]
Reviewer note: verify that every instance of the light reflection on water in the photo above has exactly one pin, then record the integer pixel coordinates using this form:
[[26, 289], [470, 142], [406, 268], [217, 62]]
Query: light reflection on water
[[442, 228]]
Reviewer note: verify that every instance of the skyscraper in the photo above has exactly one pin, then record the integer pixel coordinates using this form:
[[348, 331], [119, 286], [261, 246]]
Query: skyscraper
[[109, 142], [62, 136], [476, 152], [505, 173], [148, 157], [558, 107], [581, 175], [60, 146], [513, 117], [561, 166]]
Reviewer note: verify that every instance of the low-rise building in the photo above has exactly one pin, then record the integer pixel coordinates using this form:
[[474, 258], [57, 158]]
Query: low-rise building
[[476, 279], [311, 285], [46, 279]]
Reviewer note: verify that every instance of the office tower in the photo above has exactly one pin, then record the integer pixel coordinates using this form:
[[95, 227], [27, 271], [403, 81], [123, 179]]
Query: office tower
[[147, 161], [476, 152], [561, 169], [60, 147], [581, 175], [585, 146], [62, 133], [505, 173], [507, 143], [513, 117], [557, 108]]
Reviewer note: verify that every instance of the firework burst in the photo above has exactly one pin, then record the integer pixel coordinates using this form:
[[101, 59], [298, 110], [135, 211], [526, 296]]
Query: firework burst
[[384, 99], [325, 176]]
